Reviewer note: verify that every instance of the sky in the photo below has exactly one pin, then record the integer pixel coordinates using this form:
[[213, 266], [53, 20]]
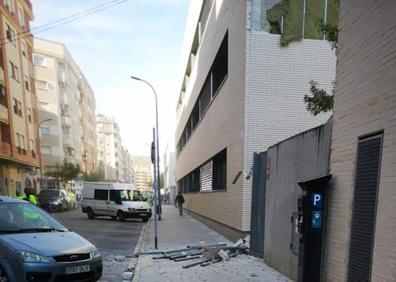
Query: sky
[[138, 37]]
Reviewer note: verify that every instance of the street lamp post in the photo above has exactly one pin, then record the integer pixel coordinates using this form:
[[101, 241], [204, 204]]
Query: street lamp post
[[41, 160], [158, 193]]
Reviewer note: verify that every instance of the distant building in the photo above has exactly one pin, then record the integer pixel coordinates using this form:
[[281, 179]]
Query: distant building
[[169, 161], [142, 173], [66, 108], [20, 145], [110, 150], [241, 91]]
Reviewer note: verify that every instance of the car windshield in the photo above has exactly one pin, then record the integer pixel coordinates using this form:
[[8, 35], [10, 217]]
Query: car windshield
[[49, 194], [26, 218], [129, 195]]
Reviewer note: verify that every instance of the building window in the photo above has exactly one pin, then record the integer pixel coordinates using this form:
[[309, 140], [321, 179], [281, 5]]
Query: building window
[[10, 34], [14, 71], [39, 60], [45, 150], [3, 98], [45, 130], [26, 82], [15, 105], [41, 84], [23, 47], [5, 133], [32, 147], [30, 115], [220, 171], [20, 109]]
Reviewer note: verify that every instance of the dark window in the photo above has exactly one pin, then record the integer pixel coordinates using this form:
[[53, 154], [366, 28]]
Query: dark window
[[5, 133], [114, 196], [195, 180], [205, 96], [220, 171], [101, 194], [19, 108], [195, 116], [3, 97], [15, 105], [220, 66]]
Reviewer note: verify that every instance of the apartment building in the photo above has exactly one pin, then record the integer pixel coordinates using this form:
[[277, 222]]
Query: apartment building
[[361, 223], [19, 146], [247, 68], [142, 171], [128, 167], [111, 154], [66, 108]]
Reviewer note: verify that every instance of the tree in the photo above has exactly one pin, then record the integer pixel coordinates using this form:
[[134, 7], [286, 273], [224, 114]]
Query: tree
[[65, 172], [95, 176], [320, 101]]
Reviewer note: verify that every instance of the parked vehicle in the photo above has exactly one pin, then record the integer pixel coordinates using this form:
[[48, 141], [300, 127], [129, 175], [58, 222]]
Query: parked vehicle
[[53, 200], [116, 200], [34, 246]]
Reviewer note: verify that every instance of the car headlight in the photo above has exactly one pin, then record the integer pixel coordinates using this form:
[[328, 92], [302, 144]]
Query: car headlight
[[131, 209], [30, 257], [95, 253]]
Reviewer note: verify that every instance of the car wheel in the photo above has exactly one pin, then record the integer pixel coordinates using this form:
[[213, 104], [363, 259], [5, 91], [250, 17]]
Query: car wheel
[[145, 219], [3, 275], [121, 216], [60, 208], [90, 213]]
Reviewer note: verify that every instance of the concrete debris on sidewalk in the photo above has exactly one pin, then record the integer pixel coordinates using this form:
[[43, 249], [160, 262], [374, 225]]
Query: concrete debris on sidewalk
[[202, 255]]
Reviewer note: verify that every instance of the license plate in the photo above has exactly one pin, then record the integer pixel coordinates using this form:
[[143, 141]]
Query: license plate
[[142, 214], [77, 269]]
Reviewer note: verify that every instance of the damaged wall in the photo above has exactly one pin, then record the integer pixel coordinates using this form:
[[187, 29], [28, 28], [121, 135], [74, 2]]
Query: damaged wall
[[302, 157]]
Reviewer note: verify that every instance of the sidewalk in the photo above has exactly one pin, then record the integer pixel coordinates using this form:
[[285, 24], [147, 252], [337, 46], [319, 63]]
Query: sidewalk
[[176, 231]]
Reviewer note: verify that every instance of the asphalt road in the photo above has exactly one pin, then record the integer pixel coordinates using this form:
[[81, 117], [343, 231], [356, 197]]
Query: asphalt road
[[114, 239]]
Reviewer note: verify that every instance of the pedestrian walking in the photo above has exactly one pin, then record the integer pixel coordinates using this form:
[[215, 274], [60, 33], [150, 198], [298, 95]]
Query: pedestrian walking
[[180, 201]]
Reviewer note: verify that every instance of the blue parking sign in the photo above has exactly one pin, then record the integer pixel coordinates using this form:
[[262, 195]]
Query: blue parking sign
[[317, 200]]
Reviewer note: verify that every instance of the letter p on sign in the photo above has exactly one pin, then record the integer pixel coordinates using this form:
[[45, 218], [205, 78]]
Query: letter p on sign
[[317, 200]]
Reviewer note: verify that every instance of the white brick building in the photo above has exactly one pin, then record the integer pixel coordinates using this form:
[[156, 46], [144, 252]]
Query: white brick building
[[241, 93]]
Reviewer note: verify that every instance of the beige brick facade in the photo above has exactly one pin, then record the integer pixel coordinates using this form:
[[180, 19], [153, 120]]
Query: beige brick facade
[[365, 103]]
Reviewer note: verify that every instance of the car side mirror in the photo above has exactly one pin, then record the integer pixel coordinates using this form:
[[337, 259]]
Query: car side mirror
[[118, 202]]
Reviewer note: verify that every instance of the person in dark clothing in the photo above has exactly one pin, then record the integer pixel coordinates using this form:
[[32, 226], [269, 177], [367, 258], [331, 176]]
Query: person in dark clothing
[[180, 201]]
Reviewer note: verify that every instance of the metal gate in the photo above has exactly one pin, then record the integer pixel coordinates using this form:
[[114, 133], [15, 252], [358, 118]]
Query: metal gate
[[257, 223], [364, 208]]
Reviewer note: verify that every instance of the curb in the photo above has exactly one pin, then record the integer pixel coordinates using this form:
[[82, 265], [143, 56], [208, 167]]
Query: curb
[[130, 274]]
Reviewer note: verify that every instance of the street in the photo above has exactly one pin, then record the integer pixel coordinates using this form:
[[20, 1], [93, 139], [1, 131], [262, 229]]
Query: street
[[114, 239]]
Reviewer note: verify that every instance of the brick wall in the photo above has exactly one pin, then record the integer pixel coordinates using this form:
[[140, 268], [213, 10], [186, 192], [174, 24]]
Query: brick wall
[[365, 102], [277, 78]]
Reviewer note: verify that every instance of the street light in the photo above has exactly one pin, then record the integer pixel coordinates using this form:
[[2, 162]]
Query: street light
[[41, 160], [157, 193]]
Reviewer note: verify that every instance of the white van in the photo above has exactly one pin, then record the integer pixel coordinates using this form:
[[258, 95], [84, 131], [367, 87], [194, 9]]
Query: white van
[[116, 200]]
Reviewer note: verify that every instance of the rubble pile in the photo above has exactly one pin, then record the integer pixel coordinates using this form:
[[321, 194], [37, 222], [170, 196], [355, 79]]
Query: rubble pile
[[202, 255]]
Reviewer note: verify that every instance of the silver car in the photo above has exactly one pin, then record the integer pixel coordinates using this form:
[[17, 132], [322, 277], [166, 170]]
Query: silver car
[[36, 247]]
